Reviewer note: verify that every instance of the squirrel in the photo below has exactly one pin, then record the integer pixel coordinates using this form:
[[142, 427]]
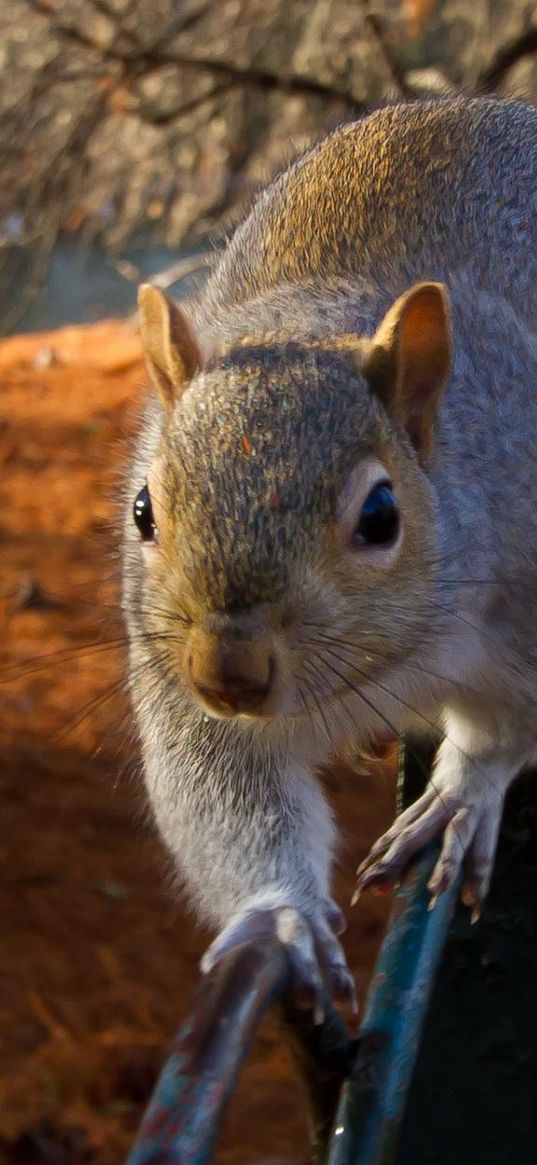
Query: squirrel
[[335, 520]]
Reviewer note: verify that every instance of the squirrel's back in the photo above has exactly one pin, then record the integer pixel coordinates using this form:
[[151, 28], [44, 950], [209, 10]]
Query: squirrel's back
[[437, 189], [335, 519]]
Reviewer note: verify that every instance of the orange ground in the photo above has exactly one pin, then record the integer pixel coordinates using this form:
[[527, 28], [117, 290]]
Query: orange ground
[[97, 963]]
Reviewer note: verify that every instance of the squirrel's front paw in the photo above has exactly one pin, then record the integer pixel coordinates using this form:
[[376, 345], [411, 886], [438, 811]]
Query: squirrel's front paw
[[317, 958], [470, 823]]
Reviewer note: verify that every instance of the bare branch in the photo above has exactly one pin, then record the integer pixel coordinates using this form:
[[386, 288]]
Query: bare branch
[[184, 267], [143, 61], [267, 81], [165, 117], [378, 29], [177, 26], [524, 45]]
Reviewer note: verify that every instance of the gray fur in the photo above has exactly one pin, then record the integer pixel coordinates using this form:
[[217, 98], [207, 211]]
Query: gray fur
[[441, 190]]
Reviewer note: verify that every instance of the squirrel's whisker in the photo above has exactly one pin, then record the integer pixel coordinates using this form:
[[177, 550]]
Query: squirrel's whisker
[[355, 689], [430, 724], [347, 646], [68, 654], [94, 703], [318, 707]]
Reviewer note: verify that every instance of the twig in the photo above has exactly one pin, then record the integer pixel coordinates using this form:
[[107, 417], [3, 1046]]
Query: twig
[[523, 46], [182, 268], [164, 117], [378, 28], [174, 274], [143, 61]]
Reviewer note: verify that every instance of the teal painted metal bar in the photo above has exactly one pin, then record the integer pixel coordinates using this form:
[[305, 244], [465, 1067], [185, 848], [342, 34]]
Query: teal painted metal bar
[[369, 1076], [182, 1120], [373, 1099]]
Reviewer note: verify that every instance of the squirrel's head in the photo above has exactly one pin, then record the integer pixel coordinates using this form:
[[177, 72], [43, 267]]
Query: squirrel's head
[[287, 522]]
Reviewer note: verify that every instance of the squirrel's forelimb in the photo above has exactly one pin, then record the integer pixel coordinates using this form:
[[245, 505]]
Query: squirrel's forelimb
[[335, 524]]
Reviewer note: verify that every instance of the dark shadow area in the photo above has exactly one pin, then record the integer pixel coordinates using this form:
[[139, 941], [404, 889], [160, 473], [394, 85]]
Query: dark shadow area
[[473, 1098]]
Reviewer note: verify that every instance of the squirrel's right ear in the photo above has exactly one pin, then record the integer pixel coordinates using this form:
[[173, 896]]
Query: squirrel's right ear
[[172, 353], [409, 361]]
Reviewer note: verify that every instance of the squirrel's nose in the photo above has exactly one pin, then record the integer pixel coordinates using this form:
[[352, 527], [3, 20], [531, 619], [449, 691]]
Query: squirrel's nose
[[230, 676]]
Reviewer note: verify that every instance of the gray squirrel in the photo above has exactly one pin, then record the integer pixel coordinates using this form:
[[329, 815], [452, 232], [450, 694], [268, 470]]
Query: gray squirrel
[[335, 519]]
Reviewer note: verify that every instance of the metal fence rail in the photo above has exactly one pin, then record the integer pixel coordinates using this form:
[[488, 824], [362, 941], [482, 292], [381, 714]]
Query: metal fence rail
[[183, 1117], [356, 1089], [373, 1098]]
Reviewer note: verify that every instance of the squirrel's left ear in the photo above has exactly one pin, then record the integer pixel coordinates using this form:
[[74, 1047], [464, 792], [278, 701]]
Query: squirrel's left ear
[[409, 361], [172, 353]]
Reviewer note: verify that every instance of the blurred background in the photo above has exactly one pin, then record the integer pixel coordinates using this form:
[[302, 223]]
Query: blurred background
[[133, 135]]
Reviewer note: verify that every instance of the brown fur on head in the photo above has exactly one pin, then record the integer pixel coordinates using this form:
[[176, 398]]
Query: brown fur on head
[[266, 460]]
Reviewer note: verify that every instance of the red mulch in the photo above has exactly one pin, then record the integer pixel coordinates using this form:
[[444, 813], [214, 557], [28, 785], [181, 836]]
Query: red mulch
[[97, 961]]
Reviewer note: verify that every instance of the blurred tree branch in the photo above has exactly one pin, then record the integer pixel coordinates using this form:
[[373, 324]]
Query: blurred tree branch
[[123, 120], [508, 55], [142, 60]]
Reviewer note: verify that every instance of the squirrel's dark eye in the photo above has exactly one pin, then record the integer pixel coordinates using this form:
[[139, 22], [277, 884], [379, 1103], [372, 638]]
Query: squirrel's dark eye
[[143, 515], [379, 519]]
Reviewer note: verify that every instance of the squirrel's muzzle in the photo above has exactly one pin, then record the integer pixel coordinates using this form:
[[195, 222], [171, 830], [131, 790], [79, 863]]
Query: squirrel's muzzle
[[229, 671]]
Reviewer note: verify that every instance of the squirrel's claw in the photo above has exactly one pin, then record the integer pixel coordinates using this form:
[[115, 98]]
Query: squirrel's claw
[[412, 830], [317, 958], [296, 936], [334, 916], [470, 837]]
